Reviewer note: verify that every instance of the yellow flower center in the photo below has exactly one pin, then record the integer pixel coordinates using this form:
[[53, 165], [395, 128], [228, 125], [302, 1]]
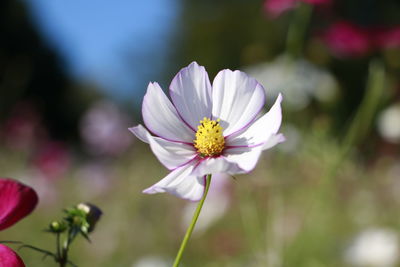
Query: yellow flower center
[[209, 139]]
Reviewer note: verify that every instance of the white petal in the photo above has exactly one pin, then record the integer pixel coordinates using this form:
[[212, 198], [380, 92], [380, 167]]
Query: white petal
[[170, 154], [237, 99], [216, 165], [180, 183], [245, 157], [161, 117], [190, 92], [273, 141], [261, 130]]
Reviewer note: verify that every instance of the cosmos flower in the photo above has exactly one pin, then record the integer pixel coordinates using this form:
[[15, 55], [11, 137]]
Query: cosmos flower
[[389, 123], [52, 159], [387, 38], [16, 202], [207, 129], [8, 258], [346, 39], [299, 80], [103, 129], [374, 247]]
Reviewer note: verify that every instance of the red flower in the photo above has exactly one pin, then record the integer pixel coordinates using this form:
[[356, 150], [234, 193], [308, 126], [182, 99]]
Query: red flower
[[52, 159], [8, 258], [347, 40], [387, 38], [16, 202]]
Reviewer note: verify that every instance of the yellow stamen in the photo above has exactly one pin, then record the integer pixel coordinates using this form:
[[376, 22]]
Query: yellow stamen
[[209, 139]]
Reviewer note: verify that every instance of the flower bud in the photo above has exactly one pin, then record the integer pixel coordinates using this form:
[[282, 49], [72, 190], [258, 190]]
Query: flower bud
[[57, 227], [93, 214]]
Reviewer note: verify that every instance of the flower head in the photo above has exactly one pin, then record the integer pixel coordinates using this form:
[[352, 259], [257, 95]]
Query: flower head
[[387, 38], [16, 201], [374, 247], [8, 258], [345, 39], [206, 129]]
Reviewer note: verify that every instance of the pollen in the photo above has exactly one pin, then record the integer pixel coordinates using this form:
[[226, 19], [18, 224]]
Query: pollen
[[209, 139]]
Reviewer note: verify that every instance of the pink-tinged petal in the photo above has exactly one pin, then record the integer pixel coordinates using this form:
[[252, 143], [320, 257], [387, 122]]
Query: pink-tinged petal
[[190, 92], [180, 183], [216, 165], [245, 158], [345, 39], [161, 117], [273, 141], [8, 258], [237, 99], [16, 201], [261, 130], [170, 154]]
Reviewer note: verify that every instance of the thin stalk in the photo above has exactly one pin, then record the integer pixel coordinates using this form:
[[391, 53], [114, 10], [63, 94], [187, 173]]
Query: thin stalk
[[193, 223], [360, 124], [363, 118], [63, 260], [297, 30], [58, 245]]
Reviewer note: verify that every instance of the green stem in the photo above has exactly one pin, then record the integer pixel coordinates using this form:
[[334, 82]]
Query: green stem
[[58, 245], [193, 223], [297, 30], [364, 116], [63, 260]]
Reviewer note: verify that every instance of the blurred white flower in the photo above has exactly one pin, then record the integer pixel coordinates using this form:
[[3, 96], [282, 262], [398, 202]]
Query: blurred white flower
[[389, 123], [215, 206], [152, 261], [298, 80], [375, 247], [103, 129]]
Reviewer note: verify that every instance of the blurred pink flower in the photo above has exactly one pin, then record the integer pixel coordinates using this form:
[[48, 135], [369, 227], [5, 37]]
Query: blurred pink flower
[[103, 129], [8, 258], [23, 129], [387, 38], [16, 201], [275, 8], [52, 159], [345, 39]]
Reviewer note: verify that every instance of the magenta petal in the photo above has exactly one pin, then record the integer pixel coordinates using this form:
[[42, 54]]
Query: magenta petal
[[16, 201], [345, 39], [8, 258]]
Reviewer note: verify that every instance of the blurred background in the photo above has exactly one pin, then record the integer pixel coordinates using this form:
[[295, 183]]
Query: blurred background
[[72, 78]]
